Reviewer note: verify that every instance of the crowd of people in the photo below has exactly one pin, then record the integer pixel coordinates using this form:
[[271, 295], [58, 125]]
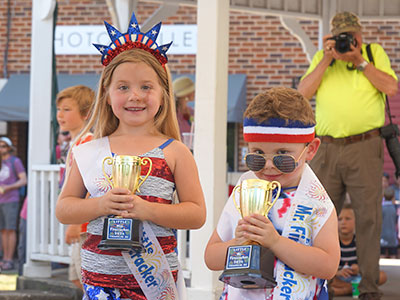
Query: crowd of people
[[329, 167]]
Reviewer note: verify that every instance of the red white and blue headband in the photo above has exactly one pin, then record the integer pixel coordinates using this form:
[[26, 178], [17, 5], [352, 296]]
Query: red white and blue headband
[[133, 38], [278, 131]]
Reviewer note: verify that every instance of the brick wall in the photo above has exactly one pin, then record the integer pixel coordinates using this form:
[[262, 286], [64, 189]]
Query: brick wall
[[260, 46]]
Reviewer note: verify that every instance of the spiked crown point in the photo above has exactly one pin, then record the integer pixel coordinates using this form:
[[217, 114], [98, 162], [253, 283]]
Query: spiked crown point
[[133, 38]]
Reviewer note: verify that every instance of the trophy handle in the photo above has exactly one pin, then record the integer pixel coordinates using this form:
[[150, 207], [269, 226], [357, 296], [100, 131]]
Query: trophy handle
[[110, 162], [234, 200], [143, 161], [273, 185]]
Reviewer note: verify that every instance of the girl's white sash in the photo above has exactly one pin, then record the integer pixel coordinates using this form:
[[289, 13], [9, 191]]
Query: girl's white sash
[[151, 269]]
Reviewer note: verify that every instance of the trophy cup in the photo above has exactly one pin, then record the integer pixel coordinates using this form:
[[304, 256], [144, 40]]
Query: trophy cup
[[251, 266], [120, 233]]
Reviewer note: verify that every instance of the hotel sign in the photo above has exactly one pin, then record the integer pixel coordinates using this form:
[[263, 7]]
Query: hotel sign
[[72, 40]]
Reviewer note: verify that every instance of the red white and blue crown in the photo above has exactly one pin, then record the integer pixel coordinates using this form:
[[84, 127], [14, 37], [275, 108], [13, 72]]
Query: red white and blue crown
[[278, 131], [133, 39]]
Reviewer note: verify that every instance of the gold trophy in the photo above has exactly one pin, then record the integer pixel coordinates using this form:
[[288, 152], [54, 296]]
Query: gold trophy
[[120, 233], [251, 266]]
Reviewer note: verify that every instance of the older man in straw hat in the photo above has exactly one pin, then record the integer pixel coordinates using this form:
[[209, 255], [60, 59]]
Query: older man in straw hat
[[350, 108]]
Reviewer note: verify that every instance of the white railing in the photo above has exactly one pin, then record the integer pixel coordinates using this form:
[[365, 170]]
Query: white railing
[[48, 235]]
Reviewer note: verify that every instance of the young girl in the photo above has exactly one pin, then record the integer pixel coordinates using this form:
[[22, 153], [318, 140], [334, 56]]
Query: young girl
[[134, 114]]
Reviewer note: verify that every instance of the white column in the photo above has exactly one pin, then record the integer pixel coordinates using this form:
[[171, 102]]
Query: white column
[[329, 9], [39, 146], [210, 134], [124, 10]]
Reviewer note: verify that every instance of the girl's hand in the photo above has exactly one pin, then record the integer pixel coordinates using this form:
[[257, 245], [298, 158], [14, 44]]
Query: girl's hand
[[141, 209], [116, 202], [261, 230]]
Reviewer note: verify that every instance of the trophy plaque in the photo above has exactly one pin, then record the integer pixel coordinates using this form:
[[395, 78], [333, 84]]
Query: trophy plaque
[[123, 233], [251, 266]]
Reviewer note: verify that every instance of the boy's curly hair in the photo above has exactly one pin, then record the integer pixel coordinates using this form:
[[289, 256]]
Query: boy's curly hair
[[280, 102]]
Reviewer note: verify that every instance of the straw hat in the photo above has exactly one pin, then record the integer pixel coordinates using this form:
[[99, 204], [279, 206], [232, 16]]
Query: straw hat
[[183, 86]]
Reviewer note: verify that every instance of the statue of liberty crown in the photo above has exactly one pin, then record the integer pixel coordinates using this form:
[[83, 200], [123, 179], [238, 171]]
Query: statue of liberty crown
[[133, 39]]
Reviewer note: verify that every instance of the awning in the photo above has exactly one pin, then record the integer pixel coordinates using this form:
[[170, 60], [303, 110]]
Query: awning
[[236, 95], [14, 97]]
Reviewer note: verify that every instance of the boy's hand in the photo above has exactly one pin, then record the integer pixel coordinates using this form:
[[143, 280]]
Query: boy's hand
[[260, 229], [115, 202], [240, 232]]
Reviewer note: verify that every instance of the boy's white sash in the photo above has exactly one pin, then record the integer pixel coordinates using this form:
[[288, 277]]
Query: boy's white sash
[[310, 209]]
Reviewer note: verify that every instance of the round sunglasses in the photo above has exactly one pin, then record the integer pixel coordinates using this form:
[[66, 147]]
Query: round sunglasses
[[285, 163]]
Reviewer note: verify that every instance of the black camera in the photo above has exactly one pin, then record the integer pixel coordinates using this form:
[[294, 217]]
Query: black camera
[[390, 133], [343, 42]]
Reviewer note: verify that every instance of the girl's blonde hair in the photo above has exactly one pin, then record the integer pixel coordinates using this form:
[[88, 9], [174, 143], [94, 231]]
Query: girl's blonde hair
[[102, 119]]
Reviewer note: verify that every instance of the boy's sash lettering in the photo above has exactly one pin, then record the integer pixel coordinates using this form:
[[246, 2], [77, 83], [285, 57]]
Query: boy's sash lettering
[[309, 211], [150, 268]]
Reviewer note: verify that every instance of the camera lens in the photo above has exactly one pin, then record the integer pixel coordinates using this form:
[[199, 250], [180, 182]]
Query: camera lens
[[343, 42], [342, 46]]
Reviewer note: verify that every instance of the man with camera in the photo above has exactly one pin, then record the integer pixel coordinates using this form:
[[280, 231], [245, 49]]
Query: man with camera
[[350, 109]]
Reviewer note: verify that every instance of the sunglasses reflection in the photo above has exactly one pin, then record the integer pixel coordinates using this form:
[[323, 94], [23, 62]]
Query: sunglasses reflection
[[285, 163]]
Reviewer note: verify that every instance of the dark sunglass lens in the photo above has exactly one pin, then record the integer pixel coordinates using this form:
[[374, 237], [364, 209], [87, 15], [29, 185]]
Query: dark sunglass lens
[[284, 163], [255, 162]]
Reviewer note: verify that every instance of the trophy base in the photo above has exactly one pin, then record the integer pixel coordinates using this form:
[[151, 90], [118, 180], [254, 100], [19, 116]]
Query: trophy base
[[120, 245], [249, 267], [121, 234]]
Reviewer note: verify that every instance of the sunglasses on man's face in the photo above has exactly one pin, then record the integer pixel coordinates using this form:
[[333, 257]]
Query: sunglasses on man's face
[[285, 163]]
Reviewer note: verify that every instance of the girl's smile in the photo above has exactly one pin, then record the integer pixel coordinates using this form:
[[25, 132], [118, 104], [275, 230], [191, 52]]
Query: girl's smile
[[135, 94]]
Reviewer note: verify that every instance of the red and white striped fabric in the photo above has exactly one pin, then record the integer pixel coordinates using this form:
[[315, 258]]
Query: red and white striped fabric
[[278, 131]]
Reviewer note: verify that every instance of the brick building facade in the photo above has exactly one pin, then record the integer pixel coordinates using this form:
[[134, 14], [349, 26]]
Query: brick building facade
[[259, 46]]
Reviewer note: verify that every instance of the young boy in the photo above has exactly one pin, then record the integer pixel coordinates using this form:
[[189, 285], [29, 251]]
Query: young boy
[[73, 105], [279, 128], [348, 267]]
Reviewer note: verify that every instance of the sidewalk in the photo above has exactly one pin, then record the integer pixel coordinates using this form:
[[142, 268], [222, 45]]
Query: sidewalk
[[391, 289]]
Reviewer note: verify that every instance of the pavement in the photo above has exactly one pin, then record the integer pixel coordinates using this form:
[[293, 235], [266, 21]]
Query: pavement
[[391, 289]]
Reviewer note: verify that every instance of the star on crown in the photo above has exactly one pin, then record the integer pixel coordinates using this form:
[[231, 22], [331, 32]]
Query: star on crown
[[133, 39]]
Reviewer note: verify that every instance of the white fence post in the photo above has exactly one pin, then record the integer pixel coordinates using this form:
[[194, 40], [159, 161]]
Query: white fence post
[[47, 235]]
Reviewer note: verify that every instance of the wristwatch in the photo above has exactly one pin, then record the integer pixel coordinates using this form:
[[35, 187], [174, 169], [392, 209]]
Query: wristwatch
[[361, 67]]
